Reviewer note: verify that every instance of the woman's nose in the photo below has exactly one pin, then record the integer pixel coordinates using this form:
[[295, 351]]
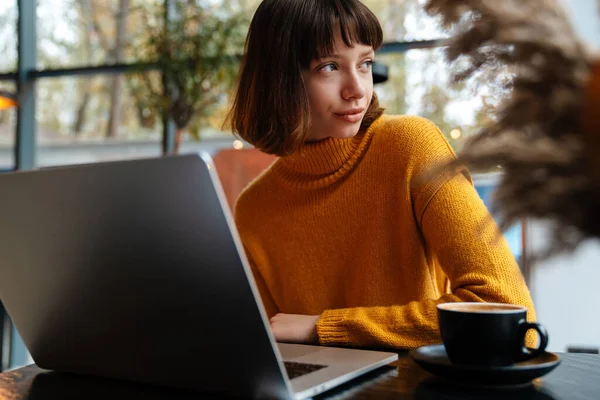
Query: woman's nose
[[354, 87]]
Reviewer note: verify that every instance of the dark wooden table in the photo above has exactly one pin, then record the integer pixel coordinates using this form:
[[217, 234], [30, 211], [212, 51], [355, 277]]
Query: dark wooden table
[[577, 378]]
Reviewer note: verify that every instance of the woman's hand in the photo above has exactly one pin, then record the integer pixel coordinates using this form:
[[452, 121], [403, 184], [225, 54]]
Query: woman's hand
[[295, 328]]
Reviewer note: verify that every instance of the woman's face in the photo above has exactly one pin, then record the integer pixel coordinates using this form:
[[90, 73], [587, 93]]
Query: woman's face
[[339, 90]]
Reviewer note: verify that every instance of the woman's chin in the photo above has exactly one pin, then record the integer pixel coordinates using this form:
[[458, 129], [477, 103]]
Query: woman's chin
[[345, 133]]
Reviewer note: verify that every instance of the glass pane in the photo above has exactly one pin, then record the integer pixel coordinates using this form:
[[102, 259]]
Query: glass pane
[[404, 20], [91, 32], [99, 118], [8, 35], [8, 124], [486, 184], [97, 32], [419, 84], [248, 6]]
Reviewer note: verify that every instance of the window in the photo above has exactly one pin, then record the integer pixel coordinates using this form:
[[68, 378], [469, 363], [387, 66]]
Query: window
[[8, 35], [420, 83], [91, 32], [95, 118], [8, 119], [404, 20]]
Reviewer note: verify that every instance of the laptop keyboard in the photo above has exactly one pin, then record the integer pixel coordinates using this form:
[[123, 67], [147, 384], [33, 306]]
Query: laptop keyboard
[[296, 369]]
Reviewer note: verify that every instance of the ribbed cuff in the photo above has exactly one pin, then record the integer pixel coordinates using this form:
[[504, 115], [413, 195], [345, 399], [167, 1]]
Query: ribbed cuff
[[331, 329]]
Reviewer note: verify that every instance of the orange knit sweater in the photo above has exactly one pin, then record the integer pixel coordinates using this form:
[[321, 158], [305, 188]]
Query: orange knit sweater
[[344, 230]]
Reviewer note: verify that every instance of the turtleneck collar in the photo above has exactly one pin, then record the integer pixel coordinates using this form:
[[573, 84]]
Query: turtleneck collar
[[321, 163]]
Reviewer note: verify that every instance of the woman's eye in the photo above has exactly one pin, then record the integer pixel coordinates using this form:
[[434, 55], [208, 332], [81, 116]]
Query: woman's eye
[[328, 68], [368, 64]]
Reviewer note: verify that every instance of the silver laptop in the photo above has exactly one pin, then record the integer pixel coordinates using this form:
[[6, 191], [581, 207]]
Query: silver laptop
[[134, 270]]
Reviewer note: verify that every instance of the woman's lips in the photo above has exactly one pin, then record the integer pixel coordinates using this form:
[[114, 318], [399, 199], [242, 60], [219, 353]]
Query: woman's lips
[[352, 116]]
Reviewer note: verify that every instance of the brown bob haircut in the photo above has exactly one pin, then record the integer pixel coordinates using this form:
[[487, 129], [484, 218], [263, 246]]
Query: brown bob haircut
[[270, 105]]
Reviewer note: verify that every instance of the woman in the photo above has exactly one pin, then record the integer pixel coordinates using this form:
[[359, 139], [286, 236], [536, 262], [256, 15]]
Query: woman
[[347, 246]]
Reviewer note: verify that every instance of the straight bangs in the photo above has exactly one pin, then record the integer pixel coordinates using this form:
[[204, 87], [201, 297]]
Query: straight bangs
[[358, 25]]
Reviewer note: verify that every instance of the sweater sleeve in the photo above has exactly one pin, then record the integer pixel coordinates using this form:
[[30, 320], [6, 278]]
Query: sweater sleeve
[[458, 230]]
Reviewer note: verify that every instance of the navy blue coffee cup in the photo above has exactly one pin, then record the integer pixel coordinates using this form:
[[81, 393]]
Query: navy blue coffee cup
[[487, 334]]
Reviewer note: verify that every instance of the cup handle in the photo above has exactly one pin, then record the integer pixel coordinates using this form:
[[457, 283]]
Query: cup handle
[[526, 352]]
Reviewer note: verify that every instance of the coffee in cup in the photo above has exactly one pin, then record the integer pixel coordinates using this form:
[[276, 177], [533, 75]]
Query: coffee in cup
[[487, 334]]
